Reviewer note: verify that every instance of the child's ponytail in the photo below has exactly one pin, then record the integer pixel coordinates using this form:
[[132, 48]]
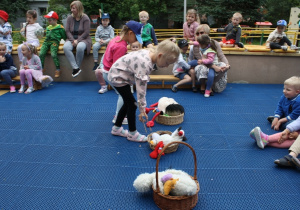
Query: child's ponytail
[[206, 40], [124, 31], [31, 48]]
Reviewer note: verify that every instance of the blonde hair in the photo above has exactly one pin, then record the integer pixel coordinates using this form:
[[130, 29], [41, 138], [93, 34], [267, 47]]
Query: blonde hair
[[2, 44], [168, 48], [238, 15], [205, 28], [30, 47], [293, 81], [123, 32], [192, 11], [78, 6], [144, 13]]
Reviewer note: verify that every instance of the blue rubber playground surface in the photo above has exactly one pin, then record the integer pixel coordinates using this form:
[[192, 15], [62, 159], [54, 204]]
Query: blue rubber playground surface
[[56, 150]]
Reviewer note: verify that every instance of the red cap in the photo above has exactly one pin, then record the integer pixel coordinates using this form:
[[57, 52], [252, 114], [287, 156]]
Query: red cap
[[3, 15], [52, 14]]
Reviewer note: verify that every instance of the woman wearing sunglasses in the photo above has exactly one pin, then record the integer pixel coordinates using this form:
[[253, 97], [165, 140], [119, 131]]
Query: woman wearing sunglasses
[[217, 76]]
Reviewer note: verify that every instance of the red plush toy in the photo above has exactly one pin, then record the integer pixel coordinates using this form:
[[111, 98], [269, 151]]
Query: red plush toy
[[158, 148]]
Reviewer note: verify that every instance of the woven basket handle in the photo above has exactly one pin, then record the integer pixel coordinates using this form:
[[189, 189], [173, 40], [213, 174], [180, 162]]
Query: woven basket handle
[[164, 148]]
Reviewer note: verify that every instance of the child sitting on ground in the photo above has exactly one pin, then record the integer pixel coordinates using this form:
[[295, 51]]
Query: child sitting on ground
[[5, 31], [54, 33], [279, 140], [7, 67], [288, 108], [103, 35], [148, 33], [135, 67], [189, 27], [182, 69], [233, 32], [277, 38], [209, 58]]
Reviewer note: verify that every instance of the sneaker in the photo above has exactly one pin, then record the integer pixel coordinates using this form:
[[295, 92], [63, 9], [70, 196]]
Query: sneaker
[[12, 89], [29, 90], [251, 134], [95, 66], [240, 45], [22, 89], [207, 93], [294, 47], [125, 121], [76, 72], [103, 90], [57, 74], [270, 119], [46, 81], [174, 89], [284, 48], [260, 137]]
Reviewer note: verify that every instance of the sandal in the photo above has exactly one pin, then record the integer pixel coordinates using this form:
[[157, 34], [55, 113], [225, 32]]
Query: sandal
[[119, 132], [286, 161], [296, 161], [137, 137]]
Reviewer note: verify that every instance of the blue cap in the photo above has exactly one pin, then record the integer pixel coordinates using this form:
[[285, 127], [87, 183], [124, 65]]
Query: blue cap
[[105, 16], [136, 28], [281, 23]]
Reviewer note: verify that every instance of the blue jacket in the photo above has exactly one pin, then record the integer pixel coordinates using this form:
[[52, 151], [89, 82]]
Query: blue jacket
[[289, 108], [8, 63]]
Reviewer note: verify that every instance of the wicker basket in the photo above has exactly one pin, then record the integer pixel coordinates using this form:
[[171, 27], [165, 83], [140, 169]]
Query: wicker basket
[[170, 149], [176, 202], [169, 120]]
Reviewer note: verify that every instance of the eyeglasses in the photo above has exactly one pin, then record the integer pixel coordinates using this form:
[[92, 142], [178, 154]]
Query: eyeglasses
[[200, 32]]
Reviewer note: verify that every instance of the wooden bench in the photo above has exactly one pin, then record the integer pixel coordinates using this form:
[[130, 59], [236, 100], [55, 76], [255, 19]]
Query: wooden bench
[[162, 79], [36, 85]]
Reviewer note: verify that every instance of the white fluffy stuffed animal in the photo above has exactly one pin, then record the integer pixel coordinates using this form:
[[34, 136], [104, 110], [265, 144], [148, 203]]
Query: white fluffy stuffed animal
[[185, 186]]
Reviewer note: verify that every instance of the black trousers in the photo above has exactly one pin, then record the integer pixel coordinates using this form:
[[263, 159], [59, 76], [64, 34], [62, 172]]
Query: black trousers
[[129, 108], [274, 45]]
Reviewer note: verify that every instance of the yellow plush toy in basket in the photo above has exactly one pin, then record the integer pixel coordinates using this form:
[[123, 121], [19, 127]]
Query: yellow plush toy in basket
[[166, 137], [172, 189]]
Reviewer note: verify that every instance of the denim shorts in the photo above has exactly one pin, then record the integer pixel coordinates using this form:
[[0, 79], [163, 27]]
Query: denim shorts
[[181, 75]]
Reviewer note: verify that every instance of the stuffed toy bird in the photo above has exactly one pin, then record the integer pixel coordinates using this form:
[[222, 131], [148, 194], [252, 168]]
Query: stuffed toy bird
[[177, 135], [183, 186], [158, 148], [165, 106]]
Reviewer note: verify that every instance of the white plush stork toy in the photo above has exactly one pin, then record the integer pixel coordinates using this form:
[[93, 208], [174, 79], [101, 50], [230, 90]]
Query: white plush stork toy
[[165, 106], [177, 135]]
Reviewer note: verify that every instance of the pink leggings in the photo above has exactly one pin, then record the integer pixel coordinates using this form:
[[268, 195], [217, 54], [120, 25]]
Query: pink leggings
[[273, 141], [28, 74]]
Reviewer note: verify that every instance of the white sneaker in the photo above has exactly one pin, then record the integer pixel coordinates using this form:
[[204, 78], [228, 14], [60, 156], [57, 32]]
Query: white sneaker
[[29, 90], [284, 48], [125, 121], [21, 90], [294, 47], [103, 90]]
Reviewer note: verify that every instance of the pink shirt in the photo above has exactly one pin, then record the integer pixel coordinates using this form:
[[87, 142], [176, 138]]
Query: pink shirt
[[113, 52], [189, 30], [134, 67]]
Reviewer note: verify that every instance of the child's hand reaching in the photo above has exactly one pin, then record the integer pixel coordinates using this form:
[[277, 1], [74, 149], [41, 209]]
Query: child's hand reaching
[[293, 135], [102, 41], [26, 67], [284, 136], [199, 61], [141, 117]]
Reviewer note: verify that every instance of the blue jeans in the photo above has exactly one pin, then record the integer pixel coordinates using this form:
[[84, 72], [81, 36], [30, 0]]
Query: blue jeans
[[7, 74], [210, 79], [193, 63]]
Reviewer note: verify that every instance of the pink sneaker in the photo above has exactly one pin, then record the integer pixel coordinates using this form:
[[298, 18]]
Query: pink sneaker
[[260, 137], [12, 89], [207, 93]]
